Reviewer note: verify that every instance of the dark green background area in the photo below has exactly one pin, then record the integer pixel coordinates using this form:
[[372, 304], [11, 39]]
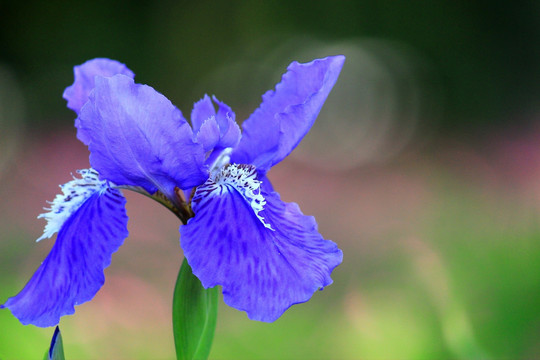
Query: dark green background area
[[486, 53]]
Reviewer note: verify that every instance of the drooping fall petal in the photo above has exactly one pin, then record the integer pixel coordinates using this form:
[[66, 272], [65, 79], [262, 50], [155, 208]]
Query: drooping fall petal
[[266, 258], [72, 273]]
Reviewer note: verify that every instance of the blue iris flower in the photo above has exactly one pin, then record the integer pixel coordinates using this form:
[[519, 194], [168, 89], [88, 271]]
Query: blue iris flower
[[238, 233]]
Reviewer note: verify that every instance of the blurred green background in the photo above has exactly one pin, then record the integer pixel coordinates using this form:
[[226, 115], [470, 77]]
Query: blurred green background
[[424, 166]]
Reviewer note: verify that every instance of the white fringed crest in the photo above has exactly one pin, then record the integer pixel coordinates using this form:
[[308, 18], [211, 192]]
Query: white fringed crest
[[242, 178], [74, 194]]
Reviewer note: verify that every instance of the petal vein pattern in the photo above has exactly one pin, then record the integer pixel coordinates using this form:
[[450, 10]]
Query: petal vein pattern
[[235, 177], [262, 272], [72, 273]]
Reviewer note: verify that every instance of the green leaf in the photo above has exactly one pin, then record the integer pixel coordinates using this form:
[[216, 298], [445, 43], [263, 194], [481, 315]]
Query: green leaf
[[56, 350], [194, 316]]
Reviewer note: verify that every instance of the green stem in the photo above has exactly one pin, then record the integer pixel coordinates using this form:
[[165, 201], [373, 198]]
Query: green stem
[[194, 316]]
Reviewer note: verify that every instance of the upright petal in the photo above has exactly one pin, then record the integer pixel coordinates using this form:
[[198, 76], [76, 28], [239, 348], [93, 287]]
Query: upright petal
[[138, 137], [202, 111], [72, 273], [229, 131], [208, 134], [263, 269], [203, 117], [287, 113], [77, 94]]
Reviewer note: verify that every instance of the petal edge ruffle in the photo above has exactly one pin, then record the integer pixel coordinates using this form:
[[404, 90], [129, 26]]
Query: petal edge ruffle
[[262, 271]]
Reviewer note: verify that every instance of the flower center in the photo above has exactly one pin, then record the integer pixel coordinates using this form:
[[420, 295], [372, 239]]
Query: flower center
[[219, 160], [239, 177]]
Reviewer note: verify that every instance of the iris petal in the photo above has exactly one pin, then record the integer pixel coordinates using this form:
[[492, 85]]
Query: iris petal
[[203, 111], [139, 138], [287, 113], [262, 271], [208, 134], [229, 130], [77, 94], [72, 273]]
